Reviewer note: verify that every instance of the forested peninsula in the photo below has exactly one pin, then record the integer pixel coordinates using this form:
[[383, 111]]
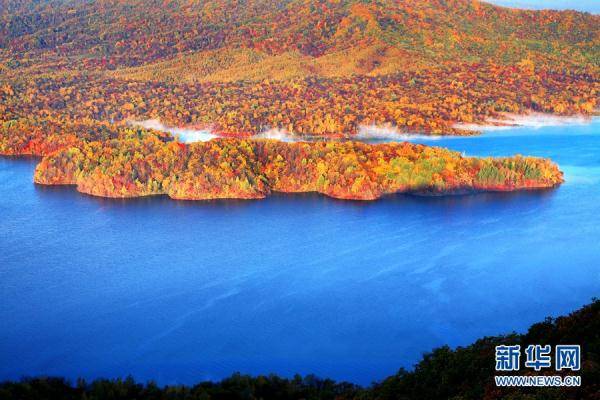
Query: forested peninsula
[[133, 162]]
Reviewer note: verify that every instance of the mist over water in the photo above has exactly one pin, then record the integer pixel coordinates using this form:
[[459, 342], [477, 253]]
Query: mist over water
[[184, 135], [185, 291], [281, 135], [370, 133], [191, 135], [388, 133], [375, 133], [531, 121]]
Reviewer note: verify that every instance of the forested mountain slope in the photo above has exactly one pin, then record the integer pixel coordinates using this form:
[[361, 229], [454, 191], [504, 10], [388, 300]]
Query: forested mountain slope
[[322, 67], [377, 37]]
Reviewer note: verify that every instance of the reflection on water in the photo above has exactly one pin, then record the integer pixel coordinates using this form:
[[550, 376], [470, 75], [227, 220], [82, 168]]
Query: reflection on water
[[181, 291], [312, 198]]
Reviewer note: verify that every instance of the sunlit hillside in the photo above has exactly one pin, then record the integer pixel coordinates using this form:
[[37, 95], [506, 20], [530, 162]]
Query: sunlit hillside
[[322, 67], [257, 39]]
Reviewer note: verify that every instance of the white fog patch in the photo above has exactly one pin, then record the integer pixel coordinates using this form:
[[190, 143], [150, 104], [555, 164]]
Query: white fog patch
[[381, 133], [370, 133], [531, 120], [185, 135], [277, 134], [388, 134], [484, 127], [540, 120]]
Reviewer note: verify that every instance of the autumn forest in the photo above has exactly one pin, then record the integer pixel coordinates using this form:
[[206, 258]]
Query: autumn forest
[[74, 74]]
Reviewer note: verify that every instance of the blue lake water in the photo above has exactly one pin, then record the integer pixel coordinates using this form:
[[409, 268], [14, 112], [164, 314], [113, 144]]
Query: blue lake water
[[180, 292]]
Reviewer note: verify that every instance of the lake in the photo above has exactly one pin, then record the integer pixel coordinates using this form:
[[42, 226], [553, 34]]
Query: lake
[[185, 291]]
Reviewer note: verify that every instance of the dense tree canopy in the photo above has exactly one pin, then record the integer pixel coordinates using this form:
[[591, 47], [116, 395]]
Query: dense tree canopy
[[430, 101], [235, 168], [73, 74], [114, 33], [312, 68]]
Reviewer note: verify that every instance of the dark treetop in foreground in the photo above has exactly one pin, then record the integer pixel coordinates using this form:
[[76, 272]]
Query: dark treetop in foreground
[[464, 373]]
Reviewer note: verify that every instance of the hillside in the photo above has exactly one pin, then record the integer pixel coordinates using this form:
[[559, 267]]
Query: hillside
[[341, 39], [322, 68], [309, 37]]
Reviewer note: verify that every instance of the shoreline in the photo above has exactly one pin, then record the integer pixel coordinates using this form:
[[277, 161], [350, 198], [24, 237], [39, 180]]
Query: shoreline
[[253, 169], [375, 133], [478, 352], [534, 120], [275, 193]]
